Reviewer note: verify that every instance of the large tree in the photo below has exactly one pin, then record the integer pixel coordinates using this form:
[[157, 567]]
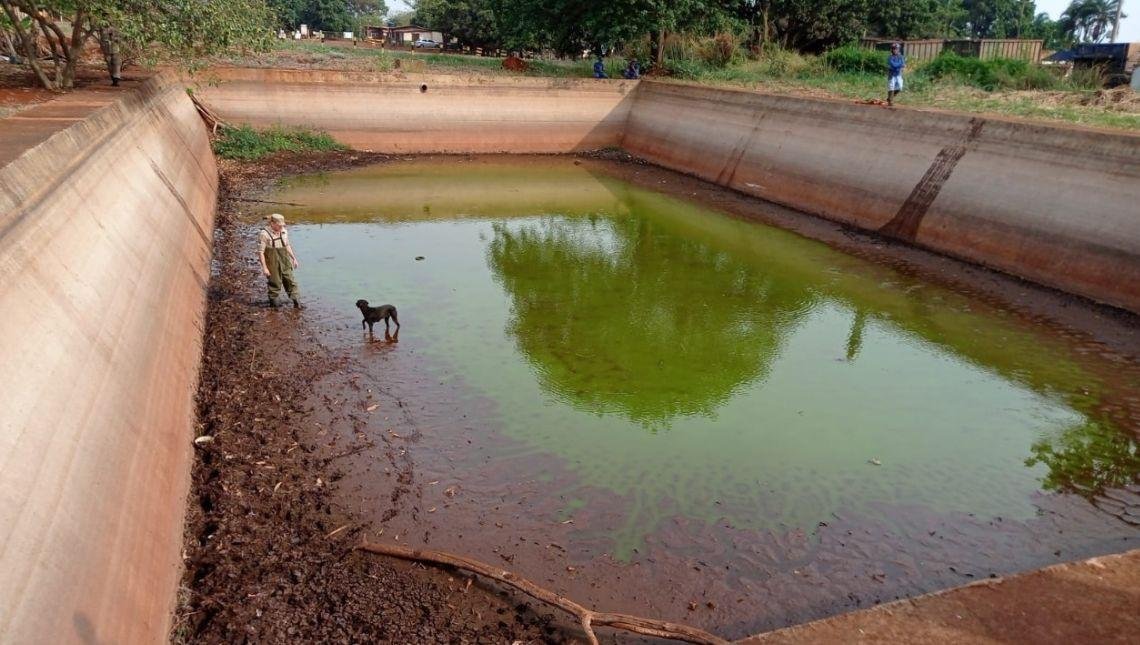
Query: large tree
[[914, 18], [1090, 21], [997, 18], [471, 21], [182, 29]]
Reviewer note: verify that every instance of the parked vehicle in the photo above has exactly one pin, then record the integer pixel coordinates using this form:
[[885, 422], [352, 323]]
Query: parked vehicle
[[426, 43]]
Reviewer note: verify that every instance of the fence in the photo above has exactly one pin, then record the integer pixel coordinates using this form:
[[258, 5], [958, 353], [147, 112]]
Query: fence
[[923, 50]]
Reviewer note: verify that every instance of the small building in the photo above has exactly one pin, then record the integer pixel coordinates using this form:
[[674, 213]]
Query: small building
[[375, 32], [407, 36]]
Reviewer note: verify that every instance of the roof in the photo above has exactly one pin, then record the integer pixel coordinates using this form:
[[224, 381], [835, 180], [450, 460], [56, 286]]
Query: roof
[[410, 28]]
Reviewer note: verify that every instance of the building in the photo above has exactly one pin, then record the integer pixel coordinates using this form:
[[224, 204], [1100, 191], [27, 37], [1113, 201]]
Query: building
[[401, 36]]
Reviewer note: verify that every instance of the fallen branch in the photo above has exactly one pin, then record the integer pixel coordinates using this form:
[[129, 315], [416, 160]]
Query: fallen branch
[[265, 201], [213, 121], [352, 451], [587, 617]]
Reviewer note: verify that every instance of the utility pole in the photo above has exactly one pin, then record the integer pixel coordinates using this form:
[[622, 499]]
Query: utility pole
[[1116, 23]]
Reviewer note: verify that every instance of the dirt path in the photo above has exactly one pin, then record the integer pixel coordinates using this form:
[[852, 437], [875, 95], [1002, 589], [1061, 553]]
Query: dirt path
[[268, 551]]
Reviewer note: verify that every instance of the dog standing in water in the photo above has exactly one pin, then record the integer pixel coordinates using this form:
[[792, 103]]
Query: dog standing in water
[[373, 315]]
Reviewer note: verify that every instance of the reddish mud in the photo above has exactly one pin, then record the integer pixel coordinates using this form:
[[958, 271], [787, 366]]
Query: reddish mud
[[268, 546]]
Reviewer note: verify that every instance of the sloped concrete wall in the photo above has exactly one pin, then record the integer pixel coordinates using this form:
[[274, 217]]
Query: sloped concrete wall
[[105, 242], [1056, 205], [458, 114]]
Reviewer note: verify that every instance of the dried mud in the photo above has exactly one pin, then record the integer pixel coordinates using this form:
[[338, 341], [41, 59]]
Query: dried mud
[[268, 550]]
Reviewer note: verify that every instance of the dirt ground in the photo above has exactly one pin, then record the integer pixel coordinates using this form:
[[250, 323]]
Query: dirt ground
[[268, 552]]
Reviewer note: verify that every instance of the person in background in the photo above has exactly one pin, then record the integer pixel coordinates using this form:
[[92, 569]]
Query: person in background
[[109, 44], [278, 260], [633, 69], [896, 63], [600, 68]]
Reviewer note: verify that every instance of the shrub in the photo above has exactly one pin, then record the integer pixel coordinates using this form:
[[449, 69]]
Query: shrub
[[720, 50], [1087, 78], [248, 144], [852, 58], [990, 75], [685, 68]]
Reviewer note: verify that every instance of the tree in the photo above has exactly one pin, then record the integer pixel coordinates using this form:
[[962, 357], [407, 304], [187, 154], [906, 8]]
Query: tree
[[1089, 21], [183, 30], [908, 18], [471, 21], [996, 18]]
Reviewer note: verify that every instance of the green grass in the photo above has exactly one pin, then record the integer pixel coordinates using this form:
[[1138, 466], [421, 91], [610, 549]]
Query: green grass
[[247, 144]]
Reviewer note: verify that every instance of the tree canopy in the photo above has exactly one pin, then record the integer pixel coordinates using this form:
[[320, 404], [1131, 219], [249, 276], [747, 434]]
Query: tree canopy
[[182, 29], [574, 26]]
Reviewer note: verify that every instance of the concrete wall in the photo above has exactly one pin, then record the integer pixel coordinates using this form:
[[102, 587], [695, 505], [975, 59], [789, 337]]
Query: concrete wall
[[1052, 204], [1056, 205], [390, 113], [105, 242]]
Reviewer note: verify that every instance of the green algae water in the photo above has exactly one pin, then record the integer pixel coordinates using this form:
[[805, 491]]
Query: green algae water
[[696, 366]]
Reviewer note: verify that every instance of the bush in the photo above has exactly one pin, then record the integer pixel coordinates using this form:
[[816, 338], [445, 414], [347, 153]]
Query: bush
[[249, 144], [990, 75], [852, 58], [685, 68], [720, 50]]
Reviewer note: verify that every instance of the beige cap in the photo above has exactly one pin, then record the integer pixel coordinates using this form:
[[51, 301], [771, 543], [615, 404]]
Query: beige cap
[[277, 217]]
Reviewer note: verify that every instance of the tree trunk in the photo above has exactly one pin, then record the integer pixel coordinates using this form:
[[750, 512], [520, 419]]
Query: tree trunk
[[29, 42], [764, 17], [9, 46], [1116, 23]]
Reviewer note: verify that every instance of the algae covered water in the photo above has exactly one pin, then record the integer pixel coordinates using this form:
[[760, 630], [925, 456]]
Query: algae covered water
[[643, 375]]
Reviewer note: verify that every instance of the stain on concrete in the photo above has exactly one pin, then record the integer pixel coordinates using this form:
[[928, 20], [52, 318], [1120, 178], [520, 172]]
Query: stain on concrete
[[904, 225]]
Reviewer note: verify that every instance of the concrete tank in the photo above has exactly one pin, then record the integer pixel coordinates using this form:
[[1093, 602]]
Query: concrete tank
[[105, 242]]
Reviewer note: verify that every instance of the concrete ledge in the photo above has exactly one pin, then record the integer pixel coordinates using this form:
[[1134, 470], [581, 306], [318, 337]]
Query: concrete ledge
[[1092, 601], [1052, 204], [105, 242], [457, 114]]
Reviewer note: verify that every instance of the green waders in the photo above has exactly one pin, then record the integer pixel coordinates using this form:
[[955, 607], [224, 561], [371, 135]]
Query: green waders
[[280, 273]]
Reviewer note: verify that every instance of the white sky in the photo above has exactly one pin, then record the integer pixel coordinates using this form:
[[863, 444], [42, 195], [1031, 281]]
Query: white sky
[[1129, 27]]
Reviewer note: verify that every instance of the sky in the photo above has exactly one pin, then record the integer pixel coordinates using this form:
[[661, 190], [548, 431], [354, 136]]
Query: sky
[[1129, 27]]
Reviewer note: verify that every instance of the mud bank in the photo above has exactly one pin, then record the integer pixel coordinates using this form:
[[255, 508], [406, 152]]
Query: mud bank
[[268, 545], [105, 240], [1051, 204]]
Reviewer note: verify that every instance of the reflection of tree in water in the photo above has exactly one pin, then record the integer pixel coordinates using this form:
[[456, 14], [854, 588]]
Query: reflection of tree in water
[[1087, 459], [618, 317]]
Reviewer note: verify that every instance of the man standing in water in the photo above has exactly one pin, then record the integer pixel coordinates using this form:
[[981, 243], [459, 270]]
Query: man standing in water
[[896, 62], [278, 260]]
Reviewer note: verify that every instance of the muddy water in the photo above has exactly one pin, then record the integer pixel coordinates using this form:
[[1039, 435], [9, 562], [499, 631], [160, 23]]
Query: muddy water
[[657, 408]]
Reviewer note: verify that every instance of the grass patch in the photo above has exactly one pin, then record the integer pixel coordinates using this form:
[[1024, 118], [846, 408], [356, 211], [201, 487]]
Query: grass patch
[[248, 144]]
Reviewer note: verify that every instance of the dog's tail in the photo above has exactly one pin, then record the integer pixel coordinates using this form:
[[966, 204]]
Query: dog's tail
[[395, 318]]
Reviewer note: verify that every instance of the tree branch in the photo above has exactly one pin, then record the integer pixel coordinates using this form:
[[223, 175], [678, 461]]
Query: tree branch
[[588, 618]]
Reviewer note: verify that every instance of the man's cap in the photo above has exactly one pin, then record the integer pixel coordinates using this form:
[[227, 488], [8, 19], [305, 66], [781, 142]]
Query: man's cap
[[277, 217]]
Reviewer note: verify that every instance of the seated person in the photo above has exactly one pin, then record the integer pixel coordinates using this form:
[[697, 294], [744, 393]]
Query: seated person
[[632, 70]]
